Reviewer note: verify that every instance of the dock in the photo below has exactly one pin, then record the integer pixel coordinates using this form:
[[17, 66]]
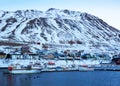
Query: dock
[[59, 70], [107, 67]]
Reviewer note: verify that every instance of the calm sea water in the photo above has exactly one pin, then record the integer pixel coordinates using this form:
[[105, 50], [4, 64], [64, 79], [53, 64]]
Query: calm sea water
[[95, 78]]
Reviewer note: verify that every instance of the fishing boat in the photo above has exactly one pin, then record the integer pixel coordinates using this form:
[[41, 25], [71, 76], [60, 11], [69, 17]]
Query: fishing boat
[[20, 69]]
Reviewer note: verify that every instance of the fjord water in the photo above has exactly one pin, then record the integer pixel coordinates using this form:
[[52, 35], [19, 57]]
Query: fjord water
[[93, 78]]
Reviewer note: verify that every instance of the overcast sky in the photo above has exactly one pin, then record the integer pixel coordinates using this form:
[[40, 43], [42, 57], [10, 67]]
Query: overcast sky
[[108, 10]]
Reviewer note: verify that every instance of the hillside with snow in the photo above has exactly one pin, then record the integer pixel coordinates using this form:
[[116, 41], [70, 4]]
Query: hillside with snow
[[58, 27]]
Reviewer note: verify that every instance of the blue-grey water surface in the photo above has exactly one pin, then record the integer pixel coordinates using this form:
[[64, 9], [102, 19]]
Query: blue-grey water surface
[[94, 78]]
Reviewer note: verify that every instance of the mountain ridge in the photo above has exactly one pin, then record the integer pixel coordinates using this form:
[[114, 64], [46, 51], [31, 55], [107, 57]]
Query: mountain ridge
[[59, 27]]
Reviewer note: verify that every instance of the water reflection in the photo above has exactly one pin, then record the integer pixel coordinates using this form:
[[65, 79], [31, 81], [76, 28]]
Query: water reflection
[[17, 80], [96, 78]]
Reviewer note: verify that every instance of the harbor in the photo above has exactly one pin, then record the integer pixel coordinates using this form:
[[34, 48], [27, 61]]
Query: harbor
[[37, 66], [54, 61], [47, 65]]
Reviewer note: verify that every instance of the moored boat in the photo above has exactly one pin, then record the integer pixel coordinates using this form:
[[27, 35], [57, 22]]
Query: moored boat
[[20, 69], [23, 71]]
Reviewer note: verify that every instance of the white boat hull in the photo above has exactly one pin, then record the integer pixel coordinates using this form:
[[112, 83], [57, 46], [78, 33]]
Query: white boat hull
[[85, 69], [20, 71]]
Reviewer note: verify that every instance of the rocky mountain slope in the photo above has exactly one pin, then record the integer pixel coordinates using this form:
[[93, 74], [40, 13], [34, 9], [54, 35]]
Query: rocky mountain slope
[[55, 26]]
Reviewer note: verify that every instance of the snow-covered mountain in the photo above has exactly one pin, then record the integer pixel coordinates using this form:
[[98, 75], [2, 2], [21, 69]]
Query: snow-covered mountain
[[56, 26]]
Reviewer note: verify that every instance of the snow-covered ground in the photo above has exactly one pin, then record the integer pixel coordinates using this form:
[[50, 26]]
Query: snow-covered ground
[[6, 63]]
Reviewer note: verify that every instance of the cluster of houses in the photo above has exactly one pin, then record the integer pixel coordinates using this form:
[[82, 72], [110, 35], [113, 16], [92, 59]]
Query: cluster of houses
[[45, 53], [61, 55]]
